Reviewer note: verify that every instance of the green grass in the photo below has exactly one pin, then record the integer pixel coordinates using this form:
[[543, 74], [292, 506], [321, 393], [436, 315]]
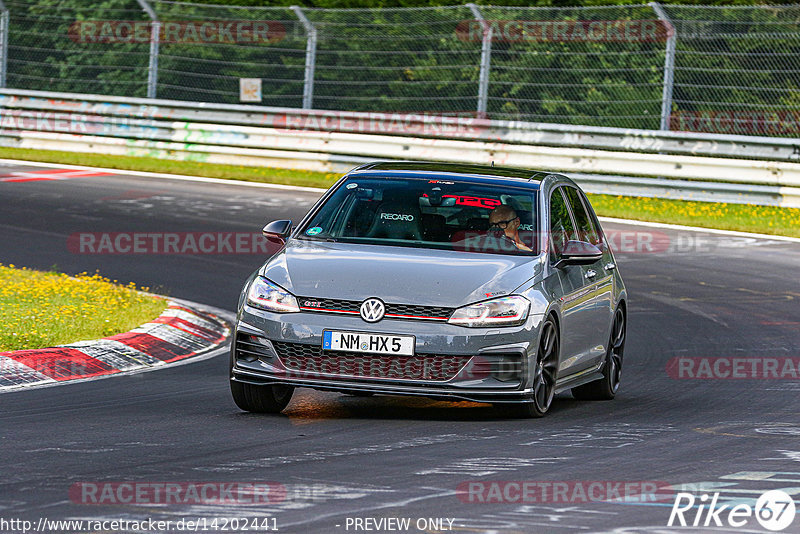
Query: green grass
[[44, 309], [741, 217]]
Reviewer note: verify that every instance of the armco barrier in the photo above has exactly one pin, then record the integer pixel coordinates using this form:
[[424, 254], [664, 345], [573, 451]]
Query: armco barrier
[[651, 163]]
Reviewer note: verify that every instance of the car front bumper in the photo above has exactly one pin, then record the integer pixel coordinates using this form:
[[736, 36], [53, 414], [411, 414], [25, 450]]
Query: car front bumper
[[475, 364]]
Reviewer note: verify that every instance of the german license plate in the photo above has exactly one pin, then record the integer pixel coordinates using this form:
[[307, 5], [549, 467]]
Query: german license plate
[[372, 343]]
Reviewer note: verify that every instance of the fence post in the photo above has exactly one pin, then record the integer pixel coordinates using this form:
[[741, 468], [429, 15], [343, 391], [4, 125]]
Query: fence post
[[4, 19], [311, 57], [155, 36], [669, 64], [486, 59]]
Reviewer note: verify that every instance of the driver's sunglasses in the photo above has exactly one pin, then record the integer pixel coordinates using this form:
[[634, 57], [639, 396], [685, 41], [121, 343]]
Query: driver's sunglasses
[[503, 224]]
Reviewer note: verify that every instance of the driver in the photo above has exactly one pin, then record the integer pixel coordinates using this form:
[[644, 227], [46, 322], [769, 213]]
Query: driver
[[506, 219]]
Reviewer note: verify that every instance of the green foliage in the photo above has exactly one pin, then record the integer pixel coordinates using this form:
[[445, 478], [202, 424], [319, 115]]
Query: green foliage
[[434, 3], [419, 60]]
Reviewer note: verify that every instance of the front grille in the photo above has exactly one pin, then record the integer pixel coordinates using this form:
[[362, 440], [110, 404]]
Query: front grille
[[310, 360], [418, 312], [397, 311], [329, 305]]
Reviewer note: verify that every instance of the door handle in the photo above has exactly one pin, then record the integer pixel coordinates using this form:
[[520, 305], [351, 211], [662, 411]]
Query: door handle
[[590, 274], [610, 266]]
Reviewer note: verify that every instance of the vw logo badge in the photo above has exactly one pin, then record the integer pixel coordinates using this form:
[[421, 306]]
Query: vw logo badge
[[372, 310]]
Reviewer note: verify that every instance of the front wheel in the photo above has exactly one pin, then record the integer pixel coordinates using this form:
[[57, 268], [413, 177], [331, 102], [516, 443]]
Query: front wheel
[[544, 374], [606, 388], [261, 399]]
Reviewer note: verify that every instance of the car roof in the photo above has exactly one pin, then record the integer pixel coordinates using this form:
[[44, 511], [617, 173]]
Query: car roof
[[478, 173]]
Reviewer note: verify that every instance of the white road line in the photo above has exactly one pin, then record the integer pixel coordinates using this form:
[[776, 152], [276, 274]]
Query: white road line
[[164, 176], [700, 229]]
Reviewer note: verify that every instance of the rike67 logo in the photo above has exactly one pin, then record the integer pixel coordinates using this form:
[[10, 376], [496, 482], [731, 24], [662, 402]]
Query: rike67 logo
[[774, 511]]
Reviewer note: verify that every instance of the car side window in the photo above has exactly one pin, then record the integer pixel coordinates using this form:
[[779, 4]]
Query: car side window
[[586, 229], [561, 227]]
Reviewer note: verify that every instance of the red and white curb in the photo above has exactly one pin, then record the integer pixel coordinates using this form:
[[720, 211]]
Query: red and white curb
[[50, 174], [181, 332]]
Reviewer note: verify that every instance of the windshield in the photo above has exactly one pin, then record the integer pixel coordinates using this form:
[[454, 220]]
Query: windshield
[[428, 213]]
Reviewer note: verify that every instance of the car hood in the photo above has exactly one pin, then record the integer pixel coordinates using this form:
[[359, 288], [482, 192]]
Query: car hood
[[398, 275]]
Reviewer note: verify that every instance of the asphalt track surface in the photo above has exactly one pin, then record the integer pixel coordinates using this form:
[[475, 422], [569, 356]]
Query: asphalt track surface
[[341, 457]]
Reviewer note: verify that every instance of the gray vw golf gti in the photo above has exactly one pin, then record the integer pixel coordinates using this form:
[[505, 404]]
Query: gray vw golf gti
[[447, 281]]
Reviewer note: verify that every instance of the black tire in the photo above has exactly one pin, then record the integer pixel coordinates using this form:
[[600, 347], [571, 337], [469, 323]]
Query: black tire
[[606, 388], [544, 375], [261, 399]]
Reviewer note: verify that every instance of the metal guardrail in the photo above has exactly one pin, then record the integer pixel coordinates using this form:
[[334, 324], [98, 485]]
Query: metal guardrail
[[416, 125], [615, 161]]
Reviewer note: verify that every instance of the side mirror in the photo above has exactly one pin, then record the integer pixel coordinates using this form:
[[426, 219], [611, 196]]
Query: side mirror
[[277, 229], [579, 253]]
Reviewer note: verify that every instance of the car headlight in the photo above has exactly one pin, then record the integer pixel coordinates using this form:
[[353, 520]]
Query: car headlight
[[503, 311], [269, 296]]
